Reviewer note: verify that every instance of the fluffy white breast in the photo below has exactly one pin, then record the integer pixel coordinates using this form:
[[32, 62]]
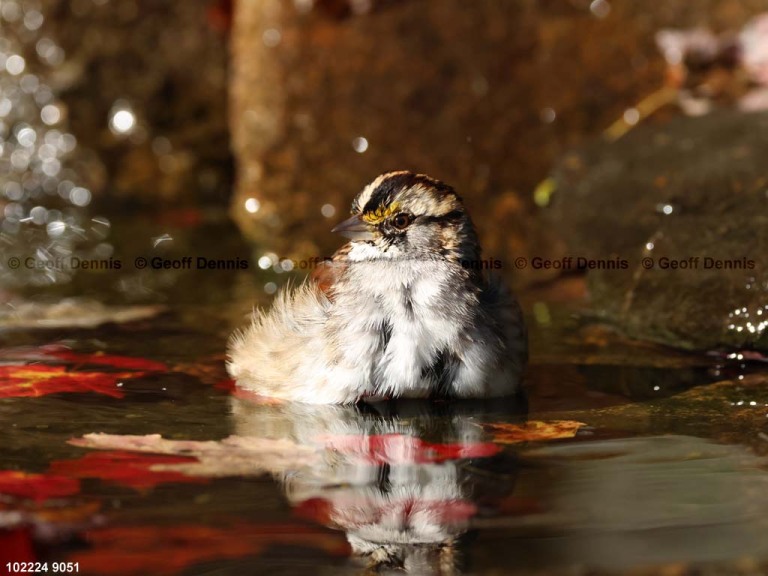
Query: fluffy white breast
[[402, 311]]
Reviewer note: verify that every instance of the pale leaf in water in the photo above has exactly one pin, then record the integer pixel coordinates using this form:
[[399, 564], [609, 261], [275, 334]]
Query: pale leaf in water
[[232, 456]]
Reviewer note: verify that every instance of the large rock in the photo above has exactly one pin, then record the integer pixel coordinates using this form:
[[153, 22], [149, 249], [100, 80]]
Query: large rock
[[685, 207]]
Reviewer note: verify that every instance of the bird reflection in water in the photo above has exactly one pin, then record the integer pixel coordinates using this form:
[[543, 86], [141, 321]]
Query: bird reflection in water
[[403, 479]]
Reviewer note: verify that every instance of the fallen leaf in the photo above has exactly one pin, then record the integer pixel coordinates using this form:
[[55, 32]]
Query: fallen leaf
[[54, 368], [232, 456], [58, 353], [35, 380], [71, 313], [167, 550], [111, 360], [36, 486], [137, 471], [533, 431]]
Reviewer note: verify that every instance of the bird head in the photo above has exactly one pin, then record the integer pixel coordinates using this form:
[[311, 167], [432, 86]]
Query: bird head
[[402, 215]]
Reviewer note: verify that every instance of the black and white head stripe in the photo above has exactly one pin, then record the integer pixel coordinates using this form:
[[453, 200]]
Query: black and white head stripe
[[384, 190]]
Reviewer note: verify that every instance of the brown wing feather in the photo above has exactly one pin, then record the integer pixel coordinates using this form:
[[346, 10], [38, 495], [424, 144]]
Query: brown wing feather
[[328, 272]]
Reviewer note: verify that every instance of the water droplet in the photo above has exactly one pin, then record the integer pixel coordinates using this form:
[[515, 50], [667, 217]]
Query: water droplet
[[5, 107], [51, 167], [548, 115], [80, 196], [157, 240], [50, 114], [631, 116], [122, 119], [33, 19], [56, 228], [14, 191], [328, 210], [15, 65], [252, 205], [20, 160], [37, 215], [303, 6], [360, 7], [270, 287], [600, 8], [10, 11], [271, 37], [29, 83], [360, 144], [26, 136]]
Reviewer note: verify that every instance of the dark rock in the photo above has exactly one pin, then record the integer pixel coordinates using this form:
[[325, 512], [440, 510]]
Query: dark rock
[[685, 206]]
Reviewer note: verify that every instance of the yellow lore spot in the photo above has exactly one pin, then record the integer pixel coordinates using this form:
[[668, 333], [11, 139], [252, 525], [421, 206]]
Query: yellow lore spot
[[381, 213]]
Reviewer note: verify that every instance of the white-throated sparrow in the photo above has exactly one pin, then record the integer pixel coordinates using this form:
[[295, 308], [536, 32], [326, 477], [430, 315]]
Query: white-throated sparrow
[[402, 310]]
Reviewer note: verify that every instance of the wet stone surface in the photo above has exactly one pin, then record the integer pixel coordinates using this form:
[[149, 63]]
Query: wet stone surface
[[684, 206]]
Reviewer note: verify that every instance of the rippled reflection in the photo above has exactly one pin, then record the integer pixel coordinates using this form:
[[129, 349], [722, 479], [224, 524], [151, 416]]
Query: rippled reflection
[[404, 480]]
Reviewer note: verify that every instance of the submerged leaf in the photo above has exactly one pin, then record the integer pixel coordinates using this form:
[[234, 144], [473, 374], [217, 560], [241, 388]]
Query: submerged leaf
[[37, 486], [35, 380], [533, 431], [58, 353], [71, 313], [137, 471], [232, 456], [38, 371]]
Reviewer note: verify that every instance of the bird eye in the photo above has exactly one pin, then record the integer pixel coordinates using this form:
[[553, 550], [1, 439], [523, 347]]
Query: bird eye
[[401, 221]]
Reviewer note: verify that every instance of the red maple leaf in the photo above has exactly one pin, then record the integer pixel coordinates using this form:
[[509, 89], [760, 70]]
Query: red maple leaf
[[58, 353], [111, 360], [35, 380], [125, 468], [40, 371], [37, 486]]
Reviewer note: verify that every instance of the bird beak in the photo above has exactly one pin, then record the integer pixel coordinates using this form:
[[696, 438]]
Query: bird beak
[[355, 228]]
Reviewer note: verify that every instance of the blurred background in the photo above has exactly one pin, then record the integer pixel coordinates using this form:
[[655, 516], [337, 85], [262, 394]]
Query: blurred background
[[571, 128], [166, 166]]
